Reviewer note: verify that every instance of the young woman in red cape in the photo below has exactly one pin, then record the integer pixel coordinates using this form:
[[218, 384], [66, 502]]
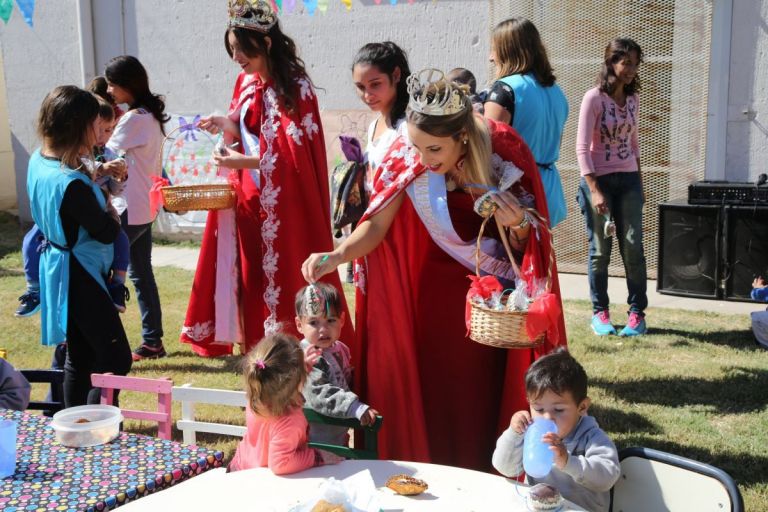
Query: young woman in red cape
[[444, 397], [248, 270]]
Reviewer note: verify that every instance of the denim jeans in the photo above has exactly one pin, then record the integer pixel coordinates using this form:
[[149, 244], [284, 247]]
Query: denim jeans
[[143, 278], [30, 248], [624, 195]]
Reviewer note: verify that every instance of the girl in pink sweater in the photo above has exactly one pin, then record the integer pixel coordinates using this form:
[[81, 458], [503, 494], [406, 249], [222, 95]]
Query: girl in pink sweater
[[611, 193], [275, 372]]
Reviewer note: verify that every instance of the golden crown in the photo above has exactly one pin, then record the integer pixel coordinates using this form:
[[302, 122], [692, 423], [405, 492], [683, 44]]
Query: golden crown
[[434, 95], [252, 15]]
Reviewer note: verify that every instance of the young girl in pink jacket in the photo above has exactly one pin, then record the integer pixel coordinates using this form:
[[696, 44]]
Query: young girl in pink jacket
[[275, 372]]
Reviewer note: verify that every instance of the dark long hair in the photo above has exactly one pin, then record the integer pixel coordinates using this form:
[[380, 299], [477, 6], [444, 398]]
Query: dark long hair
[[519, 50], [616, 51], [127, 72], [388, 57], [283, 62], [66, 116]]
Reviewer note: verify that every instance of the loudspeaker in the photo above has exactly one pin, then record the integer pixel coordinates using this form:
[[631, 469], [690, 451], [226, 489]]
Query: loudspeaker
[[689, 250], [746, 242]]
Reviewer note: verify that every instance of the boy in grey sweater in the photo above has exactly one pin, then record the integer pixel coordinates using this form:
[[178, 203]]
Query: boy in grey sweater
[[586, 463], [320, 318]]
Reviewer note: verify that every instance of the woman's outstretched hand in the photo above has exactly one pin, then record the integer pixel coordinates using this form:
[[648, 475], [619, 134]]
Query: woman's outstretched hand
[[319, 264], [234, 160], [216, 124]]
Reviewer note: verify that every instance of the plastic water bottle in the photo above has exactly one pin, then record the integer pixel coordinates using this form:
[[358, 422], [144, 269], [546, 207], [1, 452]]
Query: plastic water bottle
[[537, 457]]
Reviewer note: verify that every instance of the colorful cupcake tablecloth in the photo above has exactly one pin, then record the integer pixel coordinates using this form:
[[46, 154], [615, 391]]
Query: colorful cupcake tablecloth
[[51, 477]]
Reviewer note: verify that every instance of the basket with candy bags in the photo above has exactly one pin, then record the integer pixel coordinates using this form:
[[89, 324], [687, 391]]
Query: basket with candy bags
[[497, 316]]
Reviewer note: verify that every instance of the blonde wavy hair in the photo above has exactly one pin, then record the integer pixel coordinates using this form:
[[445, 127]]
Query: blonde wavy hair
[[477, 161]]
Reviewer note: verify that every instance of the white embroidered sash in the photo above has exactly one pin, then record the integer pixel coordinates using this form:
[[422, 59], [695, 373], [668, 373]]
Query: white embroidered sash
[[429, 197]]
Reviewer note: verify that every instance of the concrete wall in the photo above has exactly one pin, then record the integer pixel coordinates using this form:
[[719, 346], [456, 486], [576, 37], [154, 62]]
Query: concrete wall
[[747, 130], [35, 61], [181, 43], [7, 170]]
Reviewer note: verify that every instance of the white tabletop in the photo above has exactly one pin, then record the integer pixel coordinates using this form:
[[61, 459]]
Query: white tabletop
[[450, 489]]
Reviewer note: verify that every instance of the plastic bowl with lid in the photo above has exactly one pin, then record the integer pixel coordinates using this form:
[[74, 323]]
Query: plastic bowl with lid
[[87, 425]]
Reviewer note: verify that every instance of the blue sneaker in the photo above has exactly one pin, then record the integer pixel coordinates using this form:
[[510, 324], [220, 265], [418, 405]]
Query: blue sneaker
[[29, 304], [635, 325], [601, 323]]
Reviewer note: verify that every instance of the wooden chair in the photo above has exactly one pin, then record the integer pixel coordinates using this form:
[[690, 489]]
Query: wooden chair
[[56, 380], [655, 480], [190, 396], [162, 387], [370, 435]]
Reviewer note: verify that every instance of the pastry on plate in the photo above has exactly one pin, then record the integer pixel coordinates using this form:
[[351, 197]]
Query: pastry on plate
[[324, 506], [406, 485], [544, 497]]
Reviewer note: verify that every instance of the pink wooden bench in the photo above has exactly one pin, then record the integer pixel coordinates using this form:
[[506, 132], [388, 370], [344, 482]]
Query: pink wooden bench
[[162, 387]]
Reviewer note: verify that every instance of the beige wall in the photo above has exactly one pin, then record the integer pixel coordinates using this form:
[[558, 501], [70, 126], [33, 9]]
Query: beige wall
[[7, 172]]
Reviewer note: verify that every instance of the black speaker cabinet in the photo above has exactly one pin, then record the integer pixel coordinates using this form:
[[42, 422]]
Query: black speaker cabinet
[[689, 250], [746, 249]]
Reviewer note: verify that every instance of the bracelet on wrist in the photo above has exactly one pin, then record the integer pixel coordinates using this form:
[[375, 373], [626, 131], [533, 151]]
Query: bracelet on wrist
[[523, 223]]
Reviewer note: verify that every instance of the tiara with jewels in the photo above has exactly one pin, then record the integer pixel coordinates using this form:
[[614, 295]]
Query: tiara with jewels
[[260, 15], [434, 95]]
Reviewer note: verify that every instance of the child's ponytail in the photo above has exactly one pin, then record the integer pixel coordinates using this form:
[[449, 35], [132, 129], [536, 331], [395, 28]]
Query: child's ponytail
[[273, 372]]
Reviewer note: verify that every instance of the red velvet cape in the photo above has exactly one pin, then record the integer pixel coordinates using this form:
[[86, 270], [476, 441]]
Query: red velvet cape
[[444, 398]]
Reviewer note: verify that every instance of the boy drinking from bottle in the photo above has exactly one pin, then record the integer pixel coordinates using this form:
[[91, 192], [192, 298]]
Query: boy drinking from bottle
[[586, 463]]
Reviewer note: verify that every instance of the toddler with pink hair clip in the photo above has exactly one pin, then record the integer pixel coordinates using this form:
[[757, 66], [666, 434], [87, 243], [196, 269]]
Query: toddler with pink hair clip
[[276, 437]]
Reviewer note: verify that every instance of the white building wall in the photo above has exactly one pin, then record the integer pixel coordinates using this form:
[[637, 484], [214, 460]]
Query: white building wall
[[747, 130], [181, 44]]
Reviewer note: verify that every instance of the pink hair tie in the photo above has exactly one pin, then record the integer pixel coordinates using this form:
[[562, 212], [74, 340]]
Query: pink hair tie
[[260, 364]]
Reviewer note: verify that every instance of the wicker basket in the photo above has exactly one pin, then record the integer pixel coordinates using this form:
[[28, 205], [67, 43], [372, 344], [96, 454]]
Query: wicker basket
[[182, 198], [501, 329], [203, 196]]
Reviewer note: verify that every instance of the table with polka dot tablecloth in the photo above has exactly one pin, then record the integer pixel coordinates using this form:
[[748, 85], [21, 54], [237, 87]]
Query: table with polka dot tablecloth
[[51, 477]]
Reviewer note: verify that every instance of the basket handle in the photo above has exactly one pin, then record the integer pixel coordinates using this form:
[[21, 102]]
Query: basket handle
[[505, 241]]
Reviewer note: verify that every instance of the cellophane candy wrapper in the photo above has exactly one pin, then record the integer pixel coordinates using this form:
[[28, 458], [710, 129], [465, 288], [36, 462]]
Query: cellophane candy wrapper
[[356, 493]]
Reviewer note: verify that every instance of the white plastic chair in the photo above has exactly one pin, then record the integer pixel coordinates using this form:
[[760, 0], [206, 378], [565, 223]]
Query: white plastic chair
[[189, 397], [659, 481]]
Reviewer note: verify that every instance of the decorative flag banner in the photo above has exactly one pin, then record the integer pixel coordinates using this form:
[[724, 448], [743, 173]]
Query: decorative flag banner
[[27, 8], [6, 7], [311, 6], [289, 6]]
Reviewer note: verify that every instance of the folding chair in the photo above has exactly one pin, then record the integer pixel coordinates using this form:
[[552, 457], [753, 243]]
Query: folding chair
[[655, 480], [56, 380], [370, 435], [189, 396], [162, 387]]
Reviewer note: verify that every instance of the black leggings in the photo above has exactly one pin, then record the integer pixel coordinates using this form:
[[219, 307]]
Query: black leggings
[[96, 340]]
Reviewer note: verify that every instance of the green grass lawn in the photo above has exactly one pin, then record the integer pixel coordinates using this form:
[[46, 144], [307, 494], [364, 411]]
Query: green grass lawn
[[696, 386]]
